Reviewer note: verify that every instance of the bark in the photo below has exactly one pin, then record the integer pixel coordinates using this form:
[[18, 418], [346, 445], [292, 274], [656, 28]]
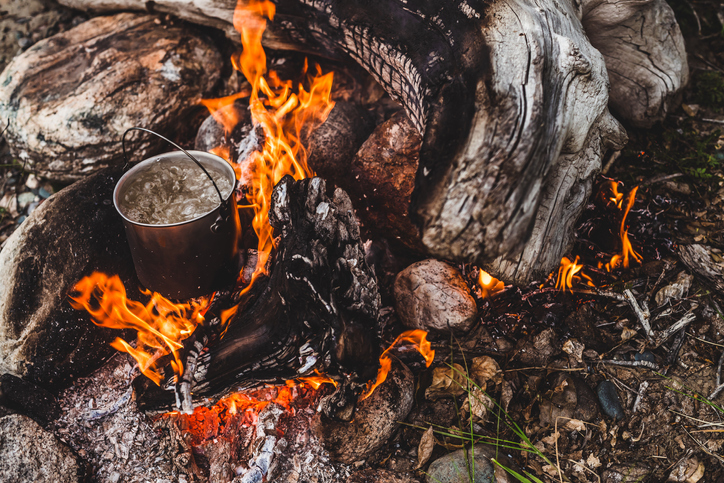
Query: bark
[[69, 98], [511, 99]]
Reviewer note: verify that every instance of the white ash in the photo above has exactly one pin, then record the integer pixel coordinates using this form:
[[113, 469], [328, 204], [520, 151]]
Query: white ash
[[101, 422]]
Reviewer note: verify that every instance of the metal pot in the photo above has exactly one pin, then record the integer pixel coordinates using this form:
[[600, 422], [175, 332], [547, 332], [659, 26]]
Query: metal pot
[[191, 258]]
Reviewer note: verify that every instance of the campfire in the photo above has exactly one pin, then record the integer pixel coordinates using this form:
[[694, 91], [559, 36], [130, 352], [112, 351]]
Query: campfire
[[436, 250]]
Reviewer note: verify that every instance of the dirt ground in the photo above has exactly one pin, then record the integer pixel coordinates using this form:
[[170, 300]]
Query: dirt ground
[[555, 348]]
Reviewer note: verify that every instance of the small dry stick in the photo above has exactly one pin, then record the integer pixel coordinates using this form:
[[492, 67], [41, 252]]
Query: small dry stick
[[642, 314], [719, 385], [642, 390], [648, 365], [609, 162], [687, 319]]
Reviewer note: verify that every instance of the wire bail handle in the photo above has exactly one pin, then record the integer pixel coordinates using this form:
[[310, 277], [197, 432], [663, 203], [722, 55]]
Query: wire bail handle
[[125, 157]]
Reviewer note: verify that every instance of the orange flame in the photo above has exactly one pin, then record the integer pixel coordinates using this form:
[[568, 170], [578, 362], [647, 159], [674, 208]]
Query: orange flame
[[488, 284], [568, 274], [161, 324], [418, 338], [627, 251], [315, 381], [285, 116]]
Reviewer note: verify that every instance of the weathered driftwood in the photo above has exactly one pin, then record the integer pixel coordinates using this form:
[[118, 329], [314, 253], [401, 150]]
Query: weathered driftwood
[[644, 53], [69, 98], [317, 308], [511, 98], [698, 258], [72, 234]]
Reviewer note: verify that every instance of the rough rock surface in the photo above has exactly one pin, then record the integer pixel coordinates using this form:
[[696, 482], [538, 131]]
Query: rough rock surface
[[73, 233], [69, 98], [432, 295], [375, 419], [381, 178], [454, 467], [22, 23], [29, 453]]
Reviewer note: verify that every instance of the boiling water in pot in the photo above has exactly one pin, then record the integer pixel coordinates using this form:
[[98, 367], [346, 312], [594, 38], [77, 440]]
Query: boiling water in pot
[[173, 192]]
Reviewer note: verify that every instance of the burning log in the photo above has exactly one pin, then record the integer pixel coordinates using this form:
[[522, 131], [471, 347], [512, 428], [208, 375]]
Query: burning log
[[317, 308], [511, 99]]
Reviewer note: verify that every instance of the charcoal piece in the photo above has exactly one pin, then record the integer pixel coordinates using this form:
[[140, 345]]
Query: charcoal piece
[[70, 97], [29, 399], [29, 453], [610, 403], [647, 356], [73, 233], [375, 419]]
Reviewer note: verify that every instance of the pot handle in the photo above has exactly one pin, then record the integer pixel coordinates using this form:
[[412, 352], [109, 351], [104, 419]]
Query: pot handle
[[125, 157]]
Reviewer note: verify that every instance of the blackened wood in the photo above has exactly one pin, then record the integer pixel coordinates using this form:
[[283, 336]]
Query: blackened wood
[[318, 308]]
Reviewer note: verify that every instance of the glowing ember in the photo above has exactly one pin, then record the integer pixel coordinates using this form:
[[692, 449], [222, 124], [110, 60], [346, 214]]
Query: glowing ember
[[161, 325], [241, 409], [568, 274], [285, 116], [627, 251], [488, 284], [418, 338]]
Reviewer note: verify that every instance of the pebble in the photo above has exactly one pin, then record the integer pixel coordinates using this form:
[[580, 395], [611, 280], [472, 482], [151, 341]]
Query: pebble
[[452, 468], [608, 397], [24, 199], [45, 193], [32, 182], [647, 356]]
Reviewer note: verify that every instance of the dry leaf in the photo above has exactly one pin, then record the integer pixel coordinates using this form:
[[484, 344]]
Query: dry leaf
[[628, 333], [574, 348], [478, 404], [424, 449], [485, 369], [593, 462], [447, 382], [575, 425], [507, 395]]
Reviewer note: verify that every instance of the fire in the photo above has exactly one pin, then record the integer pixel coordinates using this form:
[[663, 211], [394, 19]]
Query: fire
[[488, 284], [286, 117], [418, 338], [161, 325], [627, 251], [568, 274], [240, 409]]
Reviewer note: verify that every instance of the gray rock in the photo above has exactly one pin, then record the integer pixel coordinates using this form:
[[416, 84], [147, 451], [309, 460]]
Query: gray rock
[[29, 453], [457, 468], [70, 97], [73, 233], [432, 295], [25, 22]]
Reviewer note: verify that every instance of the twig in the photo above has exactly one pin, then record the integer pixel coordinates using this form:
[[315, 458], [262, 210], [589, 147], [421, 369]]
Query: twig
[[609, 162], [713, 121], [648, 365], [674, 353], [642, 390], [703, 448], [687, 319], [667, 266], [696, 16], [642, 314], [719, 386], [713, 66], [659, 178]]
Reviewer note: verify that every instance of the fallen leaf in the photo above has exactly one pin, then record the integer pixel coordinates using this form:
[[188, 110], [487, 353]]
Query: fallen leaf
[[593, 462], [485, 369], [447, 382], [478, 404], [575, 425], [424, 449]]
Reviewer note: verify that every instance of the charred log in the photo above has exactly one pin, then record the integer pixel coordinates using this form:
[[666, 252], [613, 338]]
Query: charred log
[[317, 308]]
